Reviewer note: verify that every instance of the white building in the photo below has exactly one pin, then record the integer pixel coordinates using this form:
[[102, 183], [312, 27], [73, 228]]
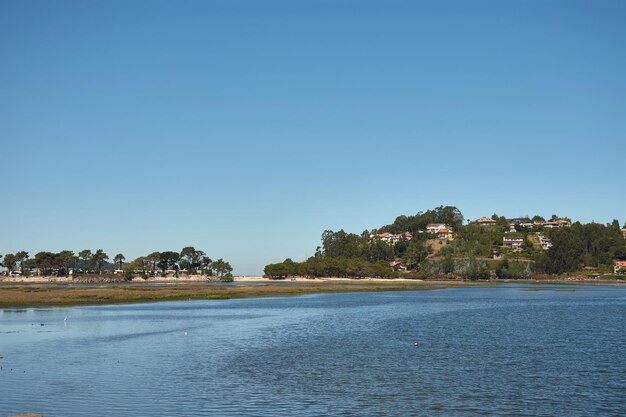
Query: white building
[[513, 242], [434, 228], [485, 221], [545, 242], [392, 238], [554, 224]]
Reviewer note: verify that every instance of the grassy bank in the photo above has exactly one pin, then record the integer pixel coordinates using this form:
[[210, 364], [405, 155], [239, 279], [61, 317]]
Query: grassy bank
[[46, 295], [51, 295]]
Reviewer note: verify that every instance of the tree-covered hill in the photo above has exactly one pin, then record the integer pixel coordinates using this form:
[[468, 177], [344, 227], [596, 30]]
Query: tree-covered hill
[[513, 248]]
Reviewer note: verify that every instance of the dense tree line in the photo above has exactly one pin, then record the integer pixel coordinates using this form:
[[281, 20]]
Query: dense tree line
[[188, 260], [583, 245], [349, 245], [467, 267], [325, 266]]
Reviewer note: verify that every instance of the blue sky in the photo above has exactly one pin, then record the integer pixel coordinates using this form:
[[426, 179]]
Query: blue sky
[[247, 128]]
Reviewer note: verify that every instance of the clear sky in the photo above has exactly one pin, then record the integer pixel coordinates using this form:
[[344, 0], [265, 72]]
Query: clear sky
[[247, 128]]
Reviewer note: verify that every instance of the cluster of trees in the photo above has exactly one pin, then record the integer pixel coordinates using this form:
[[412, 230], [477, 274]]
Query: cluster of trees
[[448, 215], [513, 269], [326, 266], [477, 240], [471, 254], [468, 267], [573, 248], [582, 245], [188, 260], [349, 245], [61, 263]]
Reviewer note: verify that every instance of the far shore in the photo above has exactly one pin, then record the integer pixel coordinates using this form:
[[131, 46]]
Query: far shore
[[54, 291], [95, 280], [19, 295], [188, 279]]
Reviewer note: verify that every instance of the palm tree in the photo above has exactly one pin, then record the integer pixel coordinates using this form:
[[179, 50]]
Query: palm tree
[[119, 259]]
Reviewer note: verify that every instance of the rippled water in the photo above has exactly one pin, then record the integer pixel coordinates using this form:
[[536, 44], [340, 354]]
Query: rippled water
[[510, 350]]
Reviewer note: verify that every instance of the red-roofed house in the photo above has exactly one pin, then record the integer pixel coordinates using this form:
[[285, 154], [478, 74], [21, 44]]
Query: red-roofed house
[[444, 234], [554, 224], [485, 221], [619, 267], [397, 265]]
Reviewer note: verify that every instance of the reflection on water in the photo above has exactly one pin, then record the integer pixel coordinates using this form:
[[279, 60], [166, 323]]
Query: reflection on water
[[464, 351]]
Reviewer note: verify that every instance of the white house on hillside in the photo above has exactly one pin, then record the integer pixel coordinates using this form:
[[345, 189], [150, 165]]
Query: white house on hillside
[[513, 242], [485, 221], [392, 238], [545, 242], [434, 228], [554, 224]]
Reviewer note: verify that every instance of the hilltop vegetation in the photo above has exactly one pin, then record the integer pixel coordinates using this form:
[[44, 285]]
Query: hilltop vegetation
[[473, 250]]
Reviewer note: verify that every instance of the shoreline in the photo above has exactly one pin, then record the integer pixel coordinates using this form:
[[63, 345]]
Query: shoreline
[[45, 293], [200, 279], [22, 296]]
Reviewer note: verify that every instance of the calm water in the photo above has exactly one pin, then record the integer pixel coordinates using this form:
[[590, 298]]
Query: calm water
[[512, 350]]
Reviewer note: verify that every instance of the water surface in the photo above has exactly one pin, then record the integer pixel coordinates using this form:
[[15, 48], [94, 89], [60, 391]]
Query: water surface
[[502, 351]]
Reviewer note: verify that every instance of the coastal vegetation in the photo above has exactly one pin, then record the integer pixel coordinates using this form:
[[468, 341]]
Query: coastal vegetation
[[189, 261], [494, 247], [55, 295]]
